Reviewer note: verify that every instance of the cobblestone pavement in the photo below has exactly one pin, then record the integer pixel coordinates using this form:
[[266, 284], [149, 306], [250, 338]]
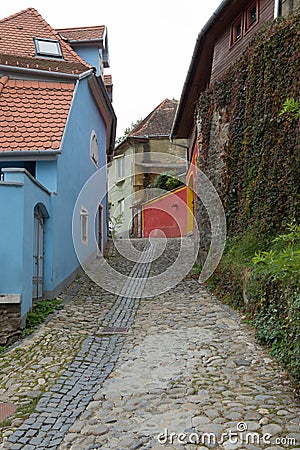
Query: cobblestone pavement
[[177, 370]]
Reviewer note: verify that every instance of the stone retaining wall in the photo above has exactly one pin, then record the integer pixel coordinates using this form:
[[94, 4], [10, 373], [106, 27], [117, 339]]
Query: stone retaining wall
[[10, 323], [213, 166]]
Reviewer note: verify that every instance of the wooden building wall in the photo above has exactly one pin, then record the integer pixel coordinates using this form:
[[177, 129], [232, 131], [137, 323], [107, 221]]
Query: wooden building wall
[[225, 53]]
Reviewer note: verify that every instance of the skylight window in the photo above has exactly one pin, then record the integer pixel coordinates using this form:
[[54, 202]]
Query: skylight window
[[47, 47]]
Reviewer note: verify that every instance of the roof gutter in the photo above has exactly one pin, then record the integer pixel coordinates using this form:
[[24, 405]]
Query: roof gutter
[[149, 136], [199, 42], [87, 73], [22, 153], [84, 41]]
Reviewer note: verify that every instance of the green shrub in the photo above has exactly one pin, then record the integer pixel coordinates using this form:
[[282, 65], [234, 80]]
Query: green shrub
[[264, 284], [167, 181], [277, 312], [282, 262], [41, 309], [231, 276], [258, 98]]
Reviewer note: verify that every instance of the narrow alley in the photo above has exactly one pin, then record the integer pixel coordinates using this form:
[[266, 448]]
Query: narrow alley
[[172, 371]]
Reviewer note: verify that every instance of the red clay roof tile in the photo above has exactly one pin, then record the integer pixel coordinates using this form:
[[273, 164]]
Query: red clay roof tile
[[17, 44], [82, 33], [33, 114]]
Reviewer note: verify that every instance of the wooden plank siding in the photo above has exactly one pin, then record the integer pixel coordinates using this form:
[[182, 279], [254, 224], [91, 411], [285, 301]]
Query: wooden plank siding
[[225, 53]]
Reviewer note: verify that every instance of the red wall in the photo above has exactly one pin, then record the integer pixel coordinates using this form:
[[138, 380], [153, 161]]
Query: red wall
[[167, 213]]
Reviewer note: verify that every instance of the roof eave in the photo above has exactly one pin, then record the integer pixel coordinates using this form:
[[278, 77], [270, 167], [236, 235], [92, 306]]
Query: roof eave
[[85, 42], [150, 136], [38, 72], [29, 154]]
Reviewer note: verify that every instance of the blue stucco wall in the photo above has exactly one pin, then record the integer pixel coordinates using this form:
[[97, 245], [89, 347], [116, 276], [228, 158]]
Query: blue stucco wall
[[74, 168], [46, 174], [11, 239], [17, 234], [63, 178], [90, 55]]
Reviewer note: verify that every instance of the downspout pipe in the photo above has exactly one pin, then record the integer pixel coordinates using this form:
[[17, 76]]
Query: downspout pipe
[[276, 9]]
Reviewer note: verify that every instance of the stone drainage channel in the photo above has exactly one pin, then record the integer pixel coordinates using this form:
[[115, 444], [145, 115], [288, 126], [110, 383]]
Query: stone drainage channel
[[58, 409]]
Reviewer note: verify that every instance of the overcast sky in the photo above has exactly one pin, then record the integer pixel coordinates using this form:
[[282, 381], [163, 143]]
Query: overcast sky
[[150, 44]]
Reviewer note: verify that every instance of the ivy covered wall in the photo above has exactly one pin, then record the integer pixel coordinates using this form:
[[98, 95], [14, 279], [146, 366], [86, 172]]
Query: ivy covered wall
[[250, 151]]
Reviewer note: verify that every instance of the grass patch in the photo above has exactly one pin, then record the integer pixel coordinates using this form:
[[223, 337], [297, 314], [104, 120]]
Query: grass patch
[[230, 279], [23, 412], [40, 311], [261, 279], [26, 410]]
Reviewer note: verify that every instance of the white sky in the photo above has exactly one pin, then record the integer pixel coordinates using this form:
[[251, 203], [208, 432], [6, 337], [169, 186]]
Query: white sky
[[150, 44]]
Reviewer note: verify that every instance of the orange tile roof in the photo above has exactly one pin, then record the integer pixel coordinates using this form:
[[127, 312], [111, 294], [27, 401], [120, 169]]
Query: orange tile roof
[[33, 114], [82, 33], [17, 45]]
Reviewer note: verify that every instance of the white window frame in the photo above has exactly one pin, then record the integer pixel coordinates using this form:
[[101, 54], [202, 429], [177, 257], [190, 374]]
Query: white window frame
[[84, 225], [121, 207], [120, 168], [94, 148], [56, 53]]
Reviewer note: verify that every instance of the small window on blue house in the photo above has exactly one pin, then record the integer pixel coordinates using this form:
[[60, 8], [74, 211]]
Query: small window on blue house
[[47, 47], [84, 215], [94, 150]]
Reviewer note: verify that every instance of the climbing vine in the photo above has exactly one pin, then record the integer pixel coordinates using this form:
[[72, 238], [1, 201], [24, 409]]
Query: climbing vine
[[204, 119], [261, 157], [258, 100]]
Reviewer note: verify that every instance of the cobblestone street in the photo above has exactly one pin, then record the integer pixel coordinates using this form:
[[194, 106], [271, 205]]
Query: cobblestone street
[[176, 370]]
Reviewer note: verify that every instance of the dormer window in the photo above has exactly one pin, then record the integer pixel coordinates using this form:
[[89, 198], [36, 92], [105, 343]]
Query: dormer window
[[47, 47]]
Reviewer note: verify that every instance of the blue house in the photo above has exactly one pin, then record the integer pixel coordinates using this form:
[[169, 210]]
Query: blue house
[[57, 130]]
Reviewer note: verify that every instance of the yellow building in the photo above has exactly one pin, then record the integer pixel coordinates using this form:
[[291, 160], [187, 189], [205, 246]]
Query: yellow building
[[145, 153]]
